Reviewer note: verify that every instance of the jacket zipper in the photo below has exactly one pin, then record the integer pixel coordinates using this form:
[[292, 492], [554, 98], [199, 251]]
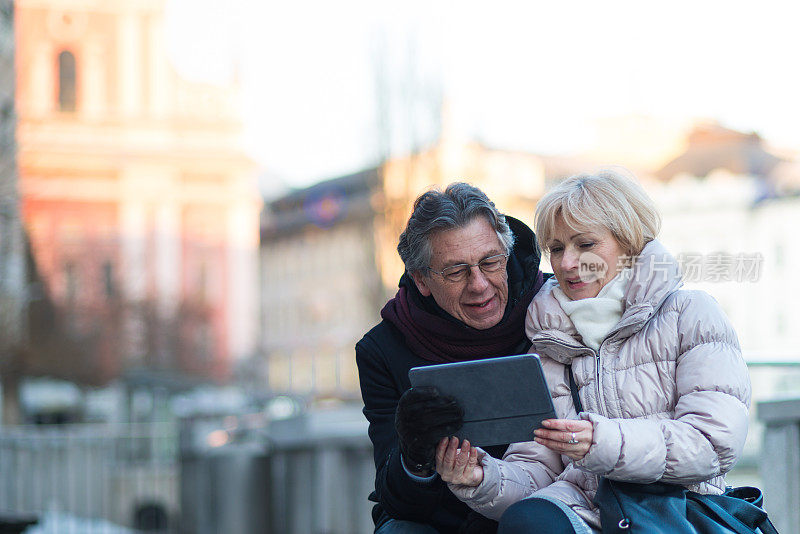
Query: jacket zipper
[[600, 398], [621, 326]]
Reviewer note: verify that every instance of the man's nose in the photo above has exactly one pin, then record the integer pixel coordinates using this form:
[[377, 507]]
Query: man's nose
[[477, 279]]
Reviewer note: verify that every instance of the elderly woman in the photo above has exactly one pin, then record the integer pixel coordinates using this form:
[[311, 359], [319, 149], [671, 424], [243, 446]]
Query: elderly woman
[[658, 370]]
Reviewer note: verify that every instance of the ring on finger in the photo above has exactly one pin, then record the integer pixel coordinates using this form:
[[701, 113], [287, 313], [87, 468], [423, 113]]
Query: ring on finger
[[573, 440]]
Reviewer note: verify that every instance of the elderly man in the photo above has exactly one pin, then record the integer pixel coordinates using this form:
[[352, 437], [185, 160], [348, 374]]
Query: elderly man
[[470, 274]]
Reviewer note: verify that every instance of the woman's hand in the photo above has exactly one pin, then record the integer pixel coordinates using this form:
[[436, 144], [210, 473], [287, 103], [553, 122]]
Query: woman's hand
[[458, 466], [571, 437]]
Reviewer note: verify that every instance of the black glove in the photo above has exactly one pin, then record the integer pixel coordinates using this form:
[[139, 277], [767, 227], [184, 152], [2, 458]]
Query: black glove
[[422, 419]]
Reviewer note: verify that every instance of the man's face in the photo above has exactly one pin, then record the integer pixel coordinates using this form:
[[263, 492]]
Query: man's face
[[480, 300]]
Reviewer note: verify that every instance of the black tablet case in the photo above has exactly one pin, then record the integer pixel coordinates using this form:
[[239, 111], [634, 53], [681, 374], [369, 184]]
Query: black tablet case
[[504, 399]]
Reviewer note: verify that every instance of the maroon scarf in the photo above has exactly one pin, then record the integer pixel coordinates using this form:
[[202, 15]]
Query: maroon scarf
[[443, 340]]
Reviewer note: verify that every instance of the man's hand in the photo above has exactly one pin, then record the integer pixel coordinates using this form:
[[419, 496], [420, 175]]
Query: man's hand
[[458, 466], [423, 417], [572, 437]]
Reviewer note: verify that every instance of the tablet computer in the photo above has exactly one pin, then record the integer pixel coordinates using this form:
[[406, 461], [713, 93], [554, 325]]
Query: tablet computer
[[504, 399]]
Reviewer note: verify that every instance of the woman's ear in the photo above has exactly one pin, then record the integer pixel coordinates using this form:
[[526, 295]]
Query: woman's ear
[[421, 282]]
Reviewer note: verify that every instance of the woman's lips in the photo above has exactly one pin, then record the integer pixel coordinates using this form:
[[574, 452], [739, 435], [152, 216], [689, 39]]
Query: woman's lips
[[576, 284]]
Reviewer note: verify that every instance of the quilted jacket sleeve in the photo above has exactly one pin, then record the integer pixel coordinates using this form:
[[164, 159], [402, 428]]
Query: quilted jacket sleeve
[[524, 468], [706, 434]]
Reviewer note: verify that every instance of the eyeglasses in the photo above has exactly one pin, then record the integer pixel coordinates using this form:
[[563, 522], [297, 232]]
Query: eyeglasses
[[459, 272]]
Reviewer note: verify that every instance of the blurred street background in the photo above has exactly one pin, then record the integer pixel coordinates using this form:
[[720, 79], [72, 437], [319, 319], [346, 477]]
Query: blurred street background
[[200, 204]]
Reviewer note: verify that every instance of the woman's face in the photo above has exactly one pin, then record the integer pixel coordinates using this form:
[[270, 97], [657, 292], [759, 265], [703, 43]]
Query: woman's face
[[584, 261]]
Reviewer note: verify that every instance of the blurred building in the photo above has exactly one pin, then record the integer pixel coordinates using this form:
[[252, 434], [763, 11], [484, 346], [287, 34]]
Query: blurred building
[[513, 180], [141, 208], [13, 289], [711, 146], [320, 287], [730, 210], [638, 141], [329, 259], [329, 254]]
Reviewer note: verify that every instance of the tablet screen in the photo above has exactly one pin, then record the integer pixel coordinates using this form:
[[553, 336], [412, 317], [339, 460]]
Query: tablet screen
[[504, 399]]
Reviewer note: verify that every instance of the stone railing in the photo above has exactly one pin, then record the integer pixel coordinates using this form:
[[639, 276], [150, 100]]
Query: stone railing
[[307, 474], [779, 465]]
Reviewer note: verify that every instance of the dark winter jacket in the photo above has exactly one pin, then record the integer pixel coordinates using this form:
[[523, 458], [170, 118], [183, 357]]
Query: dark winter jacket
[[383, 362]]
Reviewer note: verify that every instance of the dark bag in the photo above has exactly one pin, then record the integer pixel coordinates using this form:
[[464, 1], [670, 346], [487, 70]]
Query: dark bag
[[627, 508], [477, 524], [659, 508]]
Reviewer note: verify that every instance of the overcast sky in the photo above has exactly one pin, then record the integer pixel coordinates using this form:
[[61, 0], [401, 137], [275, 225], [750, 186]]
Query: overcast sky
[[525, 74]]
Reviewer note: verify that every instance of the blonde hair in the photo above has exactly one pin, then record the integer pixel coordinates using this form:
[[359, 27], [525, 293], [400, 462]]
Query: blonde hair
[[607, 199]]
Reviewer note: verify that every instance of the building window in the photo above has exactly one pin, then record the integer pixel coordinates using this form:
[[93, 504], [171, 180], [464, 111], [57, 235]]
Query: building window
[[780, 323], [66, 81], [779, 256], [7, 14], [108, 279], [202, 282], [70, 284], [205, 344], [6, 122]]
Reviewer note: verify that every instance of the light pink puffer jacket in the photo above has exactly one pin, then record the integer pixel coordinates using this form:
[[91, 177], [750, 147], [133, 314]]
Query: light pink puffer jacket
[[667, 394]]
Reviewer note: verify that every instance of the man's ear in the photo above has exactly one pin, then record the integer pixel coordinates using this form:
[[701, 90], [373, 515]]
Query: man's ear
[[421, 284]]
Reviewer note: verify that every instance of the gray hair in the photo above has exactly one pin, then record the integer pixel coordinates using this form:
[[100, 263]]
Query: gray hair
[[435, 211], [609, 199]]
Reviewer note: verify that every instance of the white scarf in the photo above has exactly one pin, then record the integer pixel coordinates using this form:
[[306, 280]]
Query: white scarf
[[595, 317]]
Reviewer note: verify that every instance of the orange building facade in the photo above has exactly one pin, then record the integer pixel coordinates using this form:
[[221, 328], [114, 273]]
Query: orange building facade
[[140, 207]]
